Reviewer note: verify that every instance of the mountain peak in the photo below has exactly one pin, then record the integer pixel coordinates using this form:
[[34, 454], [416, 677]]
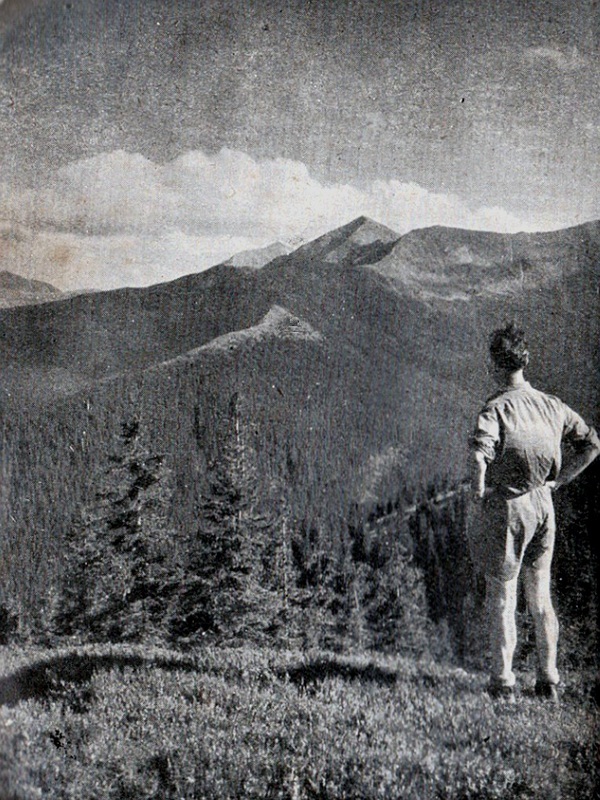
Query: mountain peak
[[278, 323], [361, 241], [364, 226], [370, 229]]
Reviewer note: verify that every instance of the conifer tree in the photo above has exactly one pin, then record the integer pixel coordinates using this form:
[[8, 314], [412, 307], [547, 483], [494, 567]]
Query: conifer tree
[[239, 574], [123, 568]]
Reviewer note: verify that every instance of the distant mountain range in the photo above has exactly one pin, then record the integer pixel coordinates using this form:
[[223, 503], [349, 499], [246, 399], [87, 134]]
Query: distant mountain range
[[16, 291], [357, 345]]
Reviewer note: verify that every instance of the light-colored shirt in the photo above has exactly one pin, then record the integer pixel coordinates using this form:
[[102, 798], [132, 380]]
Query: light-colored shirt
[[520, 431]]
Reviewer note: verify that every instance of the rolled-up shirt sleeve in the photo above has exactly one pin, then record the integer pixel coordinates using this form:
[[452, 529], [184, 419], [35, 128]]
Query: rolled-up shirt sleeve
[[577, 432], [486, 435]]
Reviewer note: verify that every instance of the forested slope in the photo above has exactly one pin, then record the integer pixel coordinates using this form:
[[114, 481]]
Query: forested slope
[[312, 393]]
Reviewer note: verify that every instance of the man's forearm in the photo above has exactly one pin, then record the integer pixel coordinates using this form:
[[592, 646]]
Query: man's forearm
[[477, 470], [576, 465]]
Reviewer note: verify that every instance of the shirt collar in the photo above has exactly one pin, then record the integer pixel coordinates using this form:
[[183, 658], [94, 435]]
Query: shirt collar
[[512, 388]]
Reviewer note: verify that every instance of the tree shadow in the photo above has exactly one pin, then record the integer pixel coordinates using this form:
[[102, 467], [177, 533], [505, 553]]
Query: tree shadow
[[319, 670], [47, 678]]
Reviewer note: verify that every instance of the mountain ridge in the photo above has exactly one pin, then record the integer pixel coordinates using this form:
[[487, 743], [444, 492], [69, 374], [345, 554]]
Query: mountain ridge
[[90, 336], [257, 258], [456, 262], [18, 290]]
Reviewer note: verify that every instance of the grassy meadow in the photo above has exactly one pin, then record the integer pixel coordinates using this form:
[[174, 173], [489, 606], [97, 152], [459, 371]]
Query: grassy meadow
[[126, 722]]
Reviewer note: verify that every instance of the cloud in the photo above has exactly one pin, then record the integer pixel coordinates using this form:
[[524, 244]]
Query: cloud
[[564, 60], [71, 261], [123, 219]]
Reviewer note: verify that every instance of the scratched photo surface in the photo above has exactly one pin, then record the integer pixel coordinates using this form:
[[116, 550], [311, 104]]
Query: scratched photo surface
[[251, 254]]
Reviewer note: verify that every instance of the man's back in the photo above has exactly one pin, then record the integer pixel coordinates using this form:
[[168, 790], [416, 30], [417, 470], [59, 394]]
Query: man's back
[[520, 431]]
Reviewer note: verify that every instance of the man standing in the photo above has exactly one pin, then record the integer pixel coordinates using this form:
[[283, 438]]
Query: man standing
[[515, 466]]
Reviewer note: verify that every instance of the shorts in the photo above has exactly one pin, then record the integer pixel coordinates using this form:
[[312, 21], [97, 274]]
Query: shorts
[[504, 533]]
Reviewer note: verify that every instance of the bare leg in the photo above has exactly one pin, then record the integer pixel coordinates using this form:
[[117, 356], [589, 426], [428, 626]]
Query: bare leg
[[501, 602]]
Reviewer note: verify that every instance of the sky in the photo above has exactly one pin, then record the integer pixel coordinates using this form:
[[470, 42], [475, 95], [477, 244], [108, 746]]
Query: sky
[[147, 139]]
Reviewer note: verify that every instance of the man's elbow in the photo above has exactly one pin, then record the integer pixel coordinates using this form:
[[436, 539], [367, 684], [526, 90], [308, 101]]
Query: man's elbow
[[593, 445], [589, 454]]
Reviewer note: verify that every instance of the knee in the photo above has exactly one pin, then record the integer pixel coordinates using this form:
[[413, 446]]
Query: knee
[[541, 609], [500, 594]]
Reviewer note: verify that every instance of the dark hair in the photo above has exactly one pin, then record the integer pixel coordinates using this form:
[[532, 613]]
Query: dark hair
[[508, 348]]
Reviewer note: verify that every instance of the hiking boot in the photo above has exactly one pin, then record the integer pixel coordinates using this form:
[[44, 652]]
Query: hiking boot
[[547, 691], [497, 691]]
